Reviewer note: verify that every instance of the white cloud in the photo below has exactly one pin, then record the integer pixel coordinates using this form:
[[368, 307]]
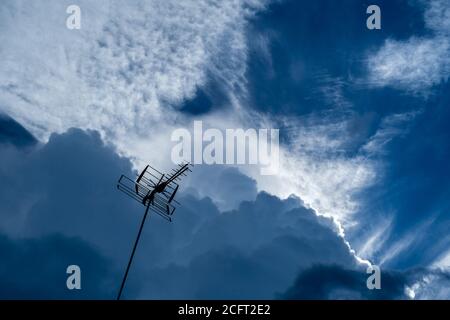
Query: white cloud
[[123, 70], [316, 166], [415, 64], [412, 65]]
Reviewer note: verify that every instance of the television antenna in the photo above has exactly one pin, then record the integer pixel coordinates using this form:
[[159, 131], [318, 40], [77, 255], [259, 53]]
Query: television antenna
[[156, 191]]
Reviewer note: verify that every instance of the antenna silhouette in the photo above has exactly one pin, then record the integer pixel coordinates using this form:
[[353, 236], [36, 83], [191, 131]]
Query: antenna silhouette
[[156, 191]]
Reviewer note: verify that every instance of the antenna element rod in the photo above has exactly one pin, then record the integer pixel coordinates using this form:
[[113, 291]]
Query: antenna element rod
[[132, 252]]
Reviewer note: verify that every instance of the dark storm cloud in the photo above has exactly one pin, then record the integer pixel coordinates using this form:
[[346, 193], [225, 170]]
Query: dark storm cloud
[[252, 252], [36, 269], [256, 250], [58, 208], [67, 186], [334, 282]]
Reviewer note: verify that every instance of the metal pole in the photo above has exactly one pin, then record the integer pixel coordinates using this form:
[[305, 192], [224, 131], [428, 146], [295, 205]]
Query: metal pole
[[132, 252]]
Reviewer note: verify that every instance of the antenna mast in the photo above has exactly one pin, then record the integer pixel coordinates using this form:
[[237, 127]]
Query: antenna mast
[[156, 191]]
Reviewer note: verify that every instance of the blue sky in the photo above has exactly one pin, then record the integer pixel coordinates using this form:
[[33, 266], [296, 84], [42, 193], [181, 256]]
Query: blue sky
[[364, 146]]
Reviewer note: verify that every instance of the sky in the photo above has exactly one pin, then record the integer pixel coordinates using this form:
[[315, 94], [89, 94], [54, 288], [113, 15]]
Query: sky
[[364, 142]]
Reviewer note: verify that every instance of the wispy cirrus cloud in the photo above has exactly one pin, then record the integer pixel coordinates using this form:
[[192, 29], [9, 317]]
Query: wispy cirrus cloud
[[418, 63], [391, 127], [129, 64]]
